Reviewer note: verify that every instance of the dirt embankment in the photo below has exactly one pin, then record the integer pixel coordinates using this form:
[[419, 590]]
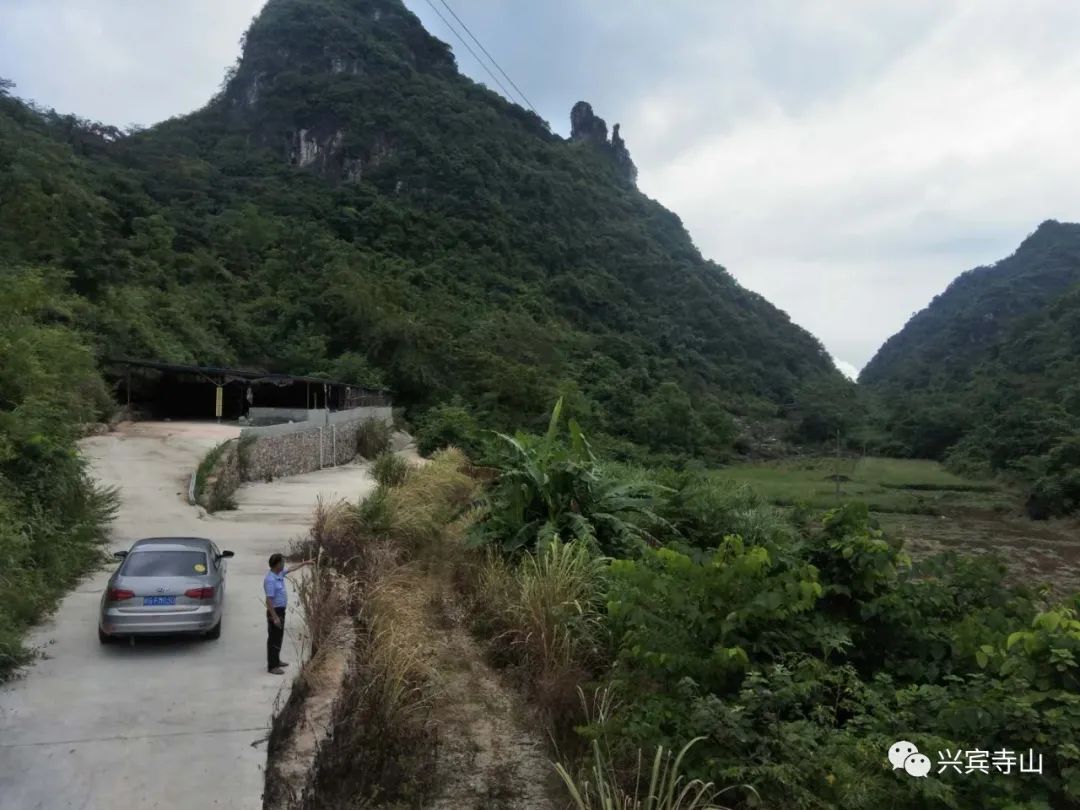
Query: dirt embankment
[[490, 753], [418, 718]]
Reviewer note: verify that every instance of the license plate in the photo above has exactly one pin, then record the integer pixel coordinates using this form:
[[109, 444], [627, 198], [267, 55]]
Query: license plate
[[159, 600]]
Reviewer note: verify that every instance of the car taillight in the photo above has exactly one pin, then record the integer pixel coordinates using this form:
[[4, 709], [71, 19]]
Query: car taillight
[[200, 593], [120, 594]]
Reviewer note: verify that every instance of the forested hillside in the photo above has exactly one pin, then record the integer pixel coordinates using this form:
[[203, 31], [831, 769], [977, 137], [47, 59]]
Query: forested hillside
[[349, 204], [988, 375]]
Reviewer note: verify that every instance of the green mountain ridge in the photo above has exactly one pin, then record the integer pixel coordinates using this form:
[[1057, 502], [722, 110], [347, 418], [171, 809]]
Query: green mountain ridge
[[349, 204], [987, 376], [965, 324]]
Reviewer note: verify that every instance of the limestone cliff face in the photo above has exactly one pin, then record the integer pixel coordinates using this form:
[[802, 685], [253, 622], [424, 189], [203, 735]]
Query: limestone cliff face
[[587, 127], [314, 82], [301, 84]]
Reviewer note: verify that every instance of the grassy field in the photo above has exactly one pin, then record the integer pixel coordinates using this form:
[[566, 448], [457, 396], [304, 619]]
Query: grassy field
[[930, 510], [885, 484]]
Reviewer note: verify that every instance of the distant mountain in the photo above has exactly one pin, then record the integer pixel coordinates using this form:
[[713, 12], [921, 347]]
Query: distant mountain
[[967, 324], [350, 204], [988, 375]]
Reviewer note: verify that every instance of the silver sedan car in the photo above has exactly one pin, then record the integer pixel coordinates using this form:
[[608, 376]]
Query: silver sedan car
[[165, 585]]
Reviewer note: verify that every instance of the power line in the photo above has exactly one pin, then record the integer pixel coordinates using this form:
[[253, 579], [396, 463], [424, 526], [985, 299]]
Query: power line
[[470, 50], [489, 56]]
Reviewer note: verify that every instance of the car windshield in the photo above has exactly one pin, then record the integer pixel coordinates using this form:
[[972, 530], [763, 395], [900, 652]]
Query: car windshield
[[165, 564]]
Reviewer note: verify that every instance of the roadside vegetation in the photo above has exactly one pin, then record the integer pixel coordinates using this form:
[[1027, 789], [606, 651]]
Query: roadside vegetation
[[52, 516], [677, 628], [218, 475], [773, 655], [373, 438]]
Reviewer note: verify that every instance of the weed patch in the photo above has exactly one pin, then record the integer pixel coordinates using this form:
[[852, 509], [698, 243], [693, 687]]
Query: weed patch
[[373, 438]]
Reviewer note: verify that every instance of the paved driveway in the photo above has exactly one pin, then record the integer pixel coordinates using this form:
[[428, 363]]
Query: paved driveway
[[172, 723]]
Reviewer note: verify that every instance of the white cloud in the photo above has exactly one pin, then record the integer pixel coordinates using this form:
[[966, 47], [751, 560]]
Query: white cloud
[[121, 61], [853, 213], [847, 369]]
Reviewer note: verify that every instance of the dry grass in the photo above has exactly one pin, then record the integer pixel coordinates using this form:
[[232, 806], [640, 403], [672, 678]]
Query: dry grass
[[541, 615], [383, 745], [422, 508], [325, 597], [387, 562]]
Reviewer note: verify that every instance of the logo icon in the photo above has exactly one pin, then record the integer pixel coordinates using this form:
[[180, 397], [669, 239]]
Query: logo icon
[[917, 765], [905, 756]]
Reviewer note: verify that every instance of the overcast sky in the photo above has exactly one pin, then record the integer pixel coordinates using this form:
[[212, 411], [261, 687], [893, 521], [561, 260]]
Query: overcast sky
[[846, 159]]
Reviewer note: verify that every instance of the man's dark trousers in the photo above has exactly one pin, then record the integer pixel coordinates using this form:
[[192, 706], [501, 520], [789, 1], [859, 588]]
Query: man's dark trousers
[[275, 634]]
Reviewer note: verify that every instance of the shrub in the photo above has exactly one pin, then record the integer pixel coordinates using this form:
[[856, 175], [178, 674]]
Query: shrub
[[554, 487], [450, 426], [372, 438], [52, 516], [1056, 492], [390, 469], [703, 508]]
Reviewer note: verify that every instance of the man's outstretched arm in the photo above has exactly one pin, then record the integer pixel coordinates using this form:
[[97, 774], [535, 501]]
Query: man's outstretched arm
[[298, 566]]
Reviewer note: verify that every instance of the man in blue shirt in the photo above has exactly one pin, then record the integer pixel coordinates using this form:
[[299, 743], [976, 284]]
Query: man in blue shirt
[[277, 598]]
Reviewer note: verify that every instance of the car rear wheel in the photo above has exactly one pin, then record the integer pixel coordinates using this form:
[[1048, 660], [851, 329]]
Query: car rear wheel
[[104, 637], [214, 632]]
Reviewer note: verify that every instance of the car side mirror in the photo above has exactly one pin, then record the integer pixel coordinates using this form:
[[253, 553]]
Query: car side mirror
[[226, 554], [120, 554]]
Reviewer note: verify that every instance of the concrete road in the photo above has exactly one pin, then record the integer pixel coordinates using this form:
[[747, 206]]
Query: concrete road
[[167, 723]]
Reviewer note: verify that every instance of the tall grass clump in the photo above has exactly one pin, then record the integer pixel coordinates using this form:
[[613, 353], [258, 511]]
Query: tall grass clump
[[556, 617], [373, 438], [662, 787], [418, 512], [541, 612], [659, 784], [390, 469], [559, 594]]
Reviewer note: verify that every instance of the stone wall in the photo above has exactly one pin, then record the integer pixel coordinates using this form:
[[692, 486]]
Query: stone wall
[[280, 450]]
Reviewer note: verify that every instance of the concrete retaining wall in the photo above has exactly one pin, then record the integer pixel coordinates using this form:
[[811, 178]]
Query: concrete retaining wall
[[273, 416]]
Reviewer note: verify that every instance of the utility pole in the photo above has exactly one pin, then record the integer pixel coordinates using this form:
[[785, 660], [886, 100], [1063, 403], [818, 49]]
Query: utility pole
[[836, 477]]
